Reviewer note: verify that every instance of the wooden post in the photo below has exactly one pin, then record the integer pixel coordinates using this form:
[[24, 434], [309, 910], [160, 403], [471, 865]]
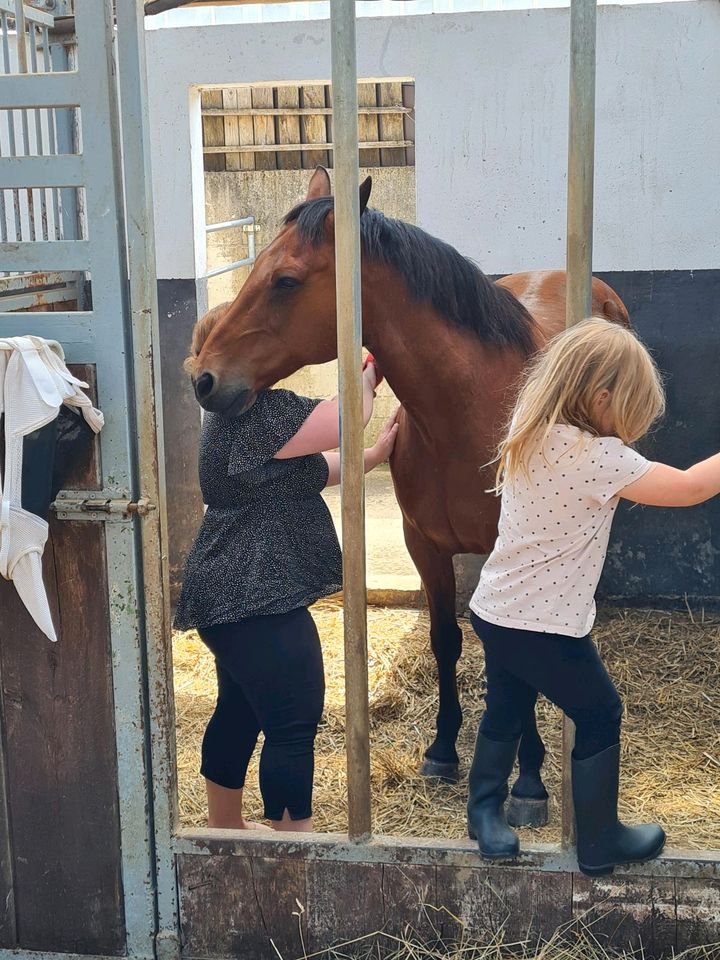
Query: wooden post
[[581, 164], [349, 330]]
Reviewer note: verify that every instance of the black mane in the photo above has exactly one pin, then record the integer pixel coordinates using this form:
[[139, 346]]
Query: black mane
[[433, 271]]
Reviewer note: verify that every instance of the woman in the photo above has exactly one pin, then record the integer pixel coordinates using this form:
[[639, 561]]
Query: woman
[[266, 550]]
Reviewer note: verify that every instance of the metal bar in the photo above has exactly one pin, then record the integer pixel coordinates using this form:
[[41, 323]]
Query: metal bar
[[151, 468], [230, 266], [21, 91], [22, 55], [581, 165], [349, 335], [73, 330], [242, 222], [28, 256], [287, 147], [40, 149], [43, 171], [11, 118], [51, 119]]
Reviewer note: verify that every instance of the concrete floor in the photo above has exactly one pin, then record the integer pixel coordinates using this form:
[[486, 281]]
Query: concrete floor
[[389, 566]]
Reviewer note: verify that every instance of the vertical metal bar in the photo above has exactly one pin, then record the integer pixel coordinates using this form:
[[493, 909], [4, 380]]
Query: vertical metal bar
[[581, 166], [22, 55], [151, 461], [52, 141], [12, 145], [349, 334], [67, 130], [39, 147]]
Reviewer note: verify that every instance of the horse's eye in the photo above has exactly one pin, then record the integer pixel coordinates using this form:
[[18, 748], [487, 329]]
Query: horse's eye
[[286, 283]]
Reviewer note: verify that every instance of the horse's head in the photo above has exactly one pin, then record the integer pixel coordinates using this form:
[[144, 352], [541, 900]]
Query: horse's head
[[283, 318]]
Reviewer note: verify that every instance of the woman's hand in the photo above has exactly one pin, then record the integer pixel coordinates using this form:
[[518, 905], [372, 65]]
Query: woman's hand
[[383, 447], [370, 376]]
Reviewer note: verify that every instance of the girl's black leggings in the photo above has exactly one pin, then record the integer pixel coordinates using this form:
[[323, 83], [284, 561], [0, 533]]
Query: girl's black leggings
[[568, 671], [270, 678]]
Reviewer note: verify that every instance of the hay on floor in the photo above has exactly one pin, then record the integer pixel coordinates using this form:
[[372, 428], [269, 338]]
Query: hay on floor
[[666, 666]]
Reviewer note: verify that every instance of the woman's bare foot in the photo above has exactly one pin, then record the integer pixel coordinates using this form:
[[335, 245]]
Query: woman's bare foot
[[225, 809]]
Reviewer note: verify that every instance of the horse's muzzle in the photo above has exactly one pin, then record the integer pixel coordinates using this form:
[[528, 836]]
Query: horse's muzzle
[[216, 398]]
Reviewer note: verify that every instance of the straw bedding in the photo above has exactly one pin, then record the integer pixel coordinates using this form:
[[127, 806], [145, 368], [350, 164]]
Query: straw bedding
[[666, 666]]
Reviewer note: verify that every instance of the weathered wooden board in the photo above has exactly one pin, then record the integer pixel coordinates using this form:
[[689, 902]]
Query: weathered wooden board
[[289, 128], [8, 931], [314, 128], [213, 129], [391, 125], [410, 899], [344, 902], [698, 913], [264, 128], [85, 471], [242, 907], [486, 902], [627, 912], [60, 760], [368, 130]]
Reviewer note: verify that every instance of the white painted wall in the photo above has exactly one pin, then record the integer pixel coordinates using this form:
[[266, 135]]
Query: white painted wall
[[491, 101]]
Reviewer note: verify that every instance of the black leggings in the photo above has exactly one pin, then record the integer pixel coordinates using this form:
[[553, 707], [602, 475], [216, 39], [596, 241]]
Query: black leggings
[[519, 664], [270, 678]]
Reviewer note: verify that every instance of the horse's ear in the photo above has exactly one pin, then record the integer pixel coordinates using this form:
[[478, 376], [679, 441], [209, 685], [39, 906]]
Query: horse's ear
[[319, 184], [365, 189]]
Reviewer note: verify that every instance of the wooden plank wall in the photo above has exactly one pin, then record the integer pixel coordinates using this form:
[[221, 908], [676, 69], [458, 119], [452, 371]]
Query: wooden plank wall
[[271, 121], [290, 906], [60, 879]]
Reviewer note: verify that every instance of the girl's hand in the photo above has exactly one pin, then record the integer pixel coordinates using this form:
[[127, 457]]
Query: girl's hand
[[380, 452]]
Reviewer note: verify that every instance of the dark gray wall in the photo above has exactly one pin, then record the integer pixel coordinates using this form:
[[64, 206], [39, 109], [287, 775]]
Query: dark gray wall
[[662, 554]]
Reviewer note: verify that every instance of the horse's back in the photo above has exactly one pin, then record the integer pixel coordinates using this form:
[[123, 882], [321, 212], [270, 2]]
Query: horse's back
[[542, 293]]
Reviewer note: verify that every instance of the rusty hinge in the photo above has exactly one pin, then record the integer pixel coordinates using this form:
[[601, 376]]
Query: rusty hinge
[[97, 506]]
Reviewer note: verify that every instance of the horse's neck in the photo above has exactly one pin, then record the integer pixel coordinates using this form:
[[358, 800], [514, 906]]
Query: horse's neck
[[435, 370]]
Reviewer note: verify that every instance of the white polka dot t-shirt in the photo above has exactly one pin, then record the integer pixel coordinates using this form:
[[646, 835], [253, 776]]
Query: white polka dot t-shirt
[[553, 534]]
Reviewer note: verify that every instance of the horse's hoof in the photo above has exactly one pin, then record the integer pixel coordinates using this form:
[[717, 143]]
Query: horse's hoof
[[447, 772], [525, 812]]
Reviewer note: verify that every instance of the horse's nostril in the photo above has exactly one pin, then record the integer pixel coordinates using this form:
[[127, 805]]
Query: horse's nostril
[[204, 385]]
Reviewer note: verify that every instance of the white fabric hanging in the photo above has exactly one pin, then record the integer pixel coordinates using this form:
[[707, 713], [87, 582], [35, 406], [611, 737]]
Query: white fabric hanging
[[34, 383]]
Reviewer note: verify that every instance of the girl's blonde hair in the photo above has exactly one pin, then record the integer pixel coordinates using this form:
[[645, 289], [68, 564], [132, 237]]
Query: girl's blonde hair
[[201, 331], [562, 383]]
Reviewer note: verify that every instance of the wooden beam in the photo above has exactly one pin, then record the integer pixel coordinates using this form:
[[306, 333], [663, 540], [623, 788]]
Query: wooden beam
[[305, 147]]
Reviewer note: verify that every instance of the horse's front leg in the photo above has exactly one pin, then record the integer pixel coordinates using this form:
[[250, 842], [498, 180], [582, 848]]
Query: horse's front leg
[[438, 578], [528, 802]]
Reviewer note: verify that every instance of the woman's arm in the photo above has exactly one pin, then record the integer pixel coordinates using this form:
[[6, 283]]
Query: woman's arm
[[374, 455], [321, 430], [665, 486]]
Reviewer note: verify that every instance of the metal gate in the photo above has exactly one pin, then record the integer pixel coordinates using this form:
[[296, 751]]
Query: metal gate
[[79, 865]]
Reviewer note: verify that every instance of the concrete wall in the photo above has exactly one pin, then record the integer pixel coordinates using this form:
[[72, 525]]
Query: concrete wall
[[491, 130]]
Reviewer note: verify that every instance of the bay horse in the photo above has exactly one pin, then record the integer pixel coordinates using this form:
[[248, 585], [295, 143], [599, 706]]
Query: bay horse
[[452, 344]]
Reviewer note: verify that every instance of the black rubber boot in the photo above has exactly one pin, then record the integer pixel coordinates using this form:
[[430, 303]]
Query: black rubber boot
[[487, 793], [604, 843]]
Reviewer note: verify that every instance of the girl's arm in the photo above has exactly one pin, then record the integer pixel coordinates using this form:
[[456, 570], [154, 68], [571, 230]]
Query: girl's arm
[[665, 486], [321, 430], [374, 455]]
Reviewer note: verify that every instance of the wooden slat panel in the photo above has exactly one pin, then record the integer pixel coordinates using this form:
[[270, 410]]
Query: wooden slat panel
[[698, 912], [368, 129], [264, 128], [344, 901], [290, 148], [391, 125], [213, 129], [246, 132], [410, 896], [61, 759], [289, 128], [294, 111], [8, 932], [628, 911], [314, 129], [232, 133], [518, 903], [235, 906]]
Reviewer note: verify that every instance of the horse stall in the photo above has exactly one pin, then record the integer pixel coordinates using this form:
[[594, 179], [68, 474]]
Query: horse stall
[[93, 859]]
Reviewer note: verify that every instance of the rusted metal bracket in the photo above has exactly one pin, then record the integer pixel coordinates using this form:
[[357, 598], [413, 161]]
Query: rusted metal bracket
[[97, 506]]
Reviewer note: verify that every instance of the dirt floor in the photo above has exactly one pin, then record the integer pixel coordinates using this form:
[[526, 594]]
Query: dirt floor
[[666, 666]]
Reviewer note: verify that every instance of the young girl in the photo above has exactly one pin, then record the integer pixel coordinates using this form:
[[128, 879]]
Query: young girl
[[564, 464]]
